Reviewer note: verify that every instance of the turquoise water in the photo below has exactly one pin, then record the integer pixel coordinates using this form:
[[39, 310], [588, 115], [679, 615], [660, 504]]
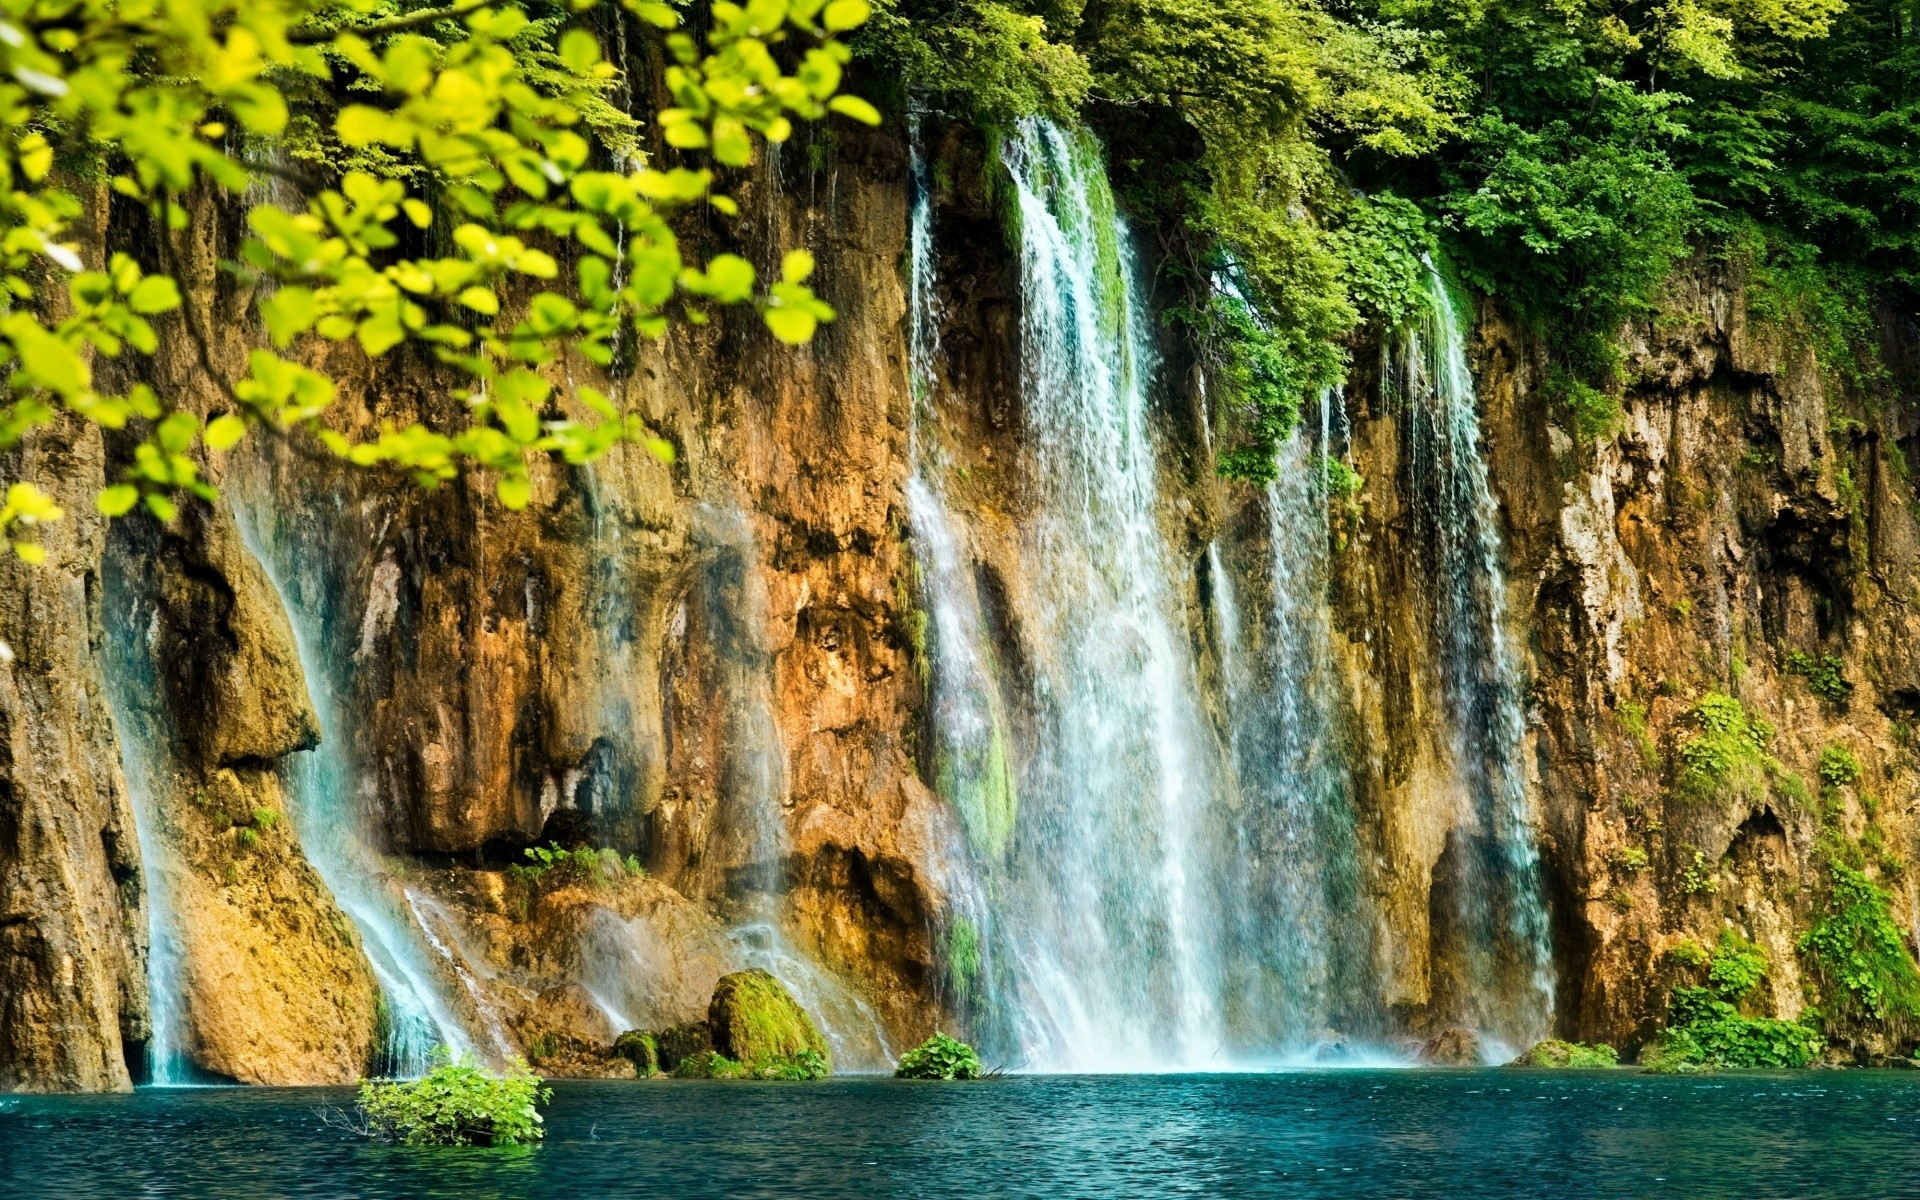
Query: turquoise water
[[1332, 1133]]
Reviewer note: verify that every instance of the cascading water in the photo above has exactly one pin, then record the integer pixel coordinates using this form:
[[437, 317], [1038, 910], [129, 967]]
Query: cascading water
[[322, 802], [1506, 984], [1106, 900], [133, 694], [1301, 933]]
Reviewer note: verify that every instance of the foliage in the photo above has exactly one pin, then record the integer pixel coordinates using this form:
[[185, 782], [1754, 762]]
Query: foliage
[[553, 865], [1341, 481], [1838, 767], [1858, 953], [1630, 859], [939, 1057], [1706, 1029], [457, 1104], [1825, 675], [470, 140], [1728, 754], [1698, 878]]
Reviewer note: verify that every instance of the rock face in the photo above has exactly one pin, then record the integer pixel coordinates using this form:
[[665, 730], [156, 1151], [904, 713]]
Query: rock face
[[710, 665], [73, 989]]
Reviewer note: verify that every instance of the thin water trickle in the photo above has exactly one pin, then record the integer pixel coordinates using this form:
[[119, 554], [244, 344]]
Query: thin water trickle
[[133, 698], [1494, 885], [325, 807]]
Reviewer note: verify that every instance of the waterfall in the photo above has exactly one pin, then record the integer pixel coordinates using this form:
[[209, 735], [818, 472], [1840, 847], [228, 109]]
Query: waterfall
[[1107, 899], [325, 806], [133, 697], [1506, 984], [1302, 933]]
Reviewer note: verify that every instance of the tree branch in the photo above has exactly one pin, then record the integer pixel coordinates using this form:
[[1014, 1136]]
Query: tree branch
[[412, 20]]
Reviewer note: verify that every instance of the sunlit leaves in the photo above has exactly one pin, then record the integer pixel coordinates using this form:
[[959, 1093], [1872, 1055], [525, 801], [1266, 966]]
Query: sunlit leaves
[[477, 128]]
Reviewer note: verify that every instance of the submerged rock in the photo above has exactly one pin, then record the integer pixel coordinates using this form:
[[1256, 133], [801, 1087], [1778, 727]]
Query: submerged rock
[[1555, 1053], [1452, 1047]]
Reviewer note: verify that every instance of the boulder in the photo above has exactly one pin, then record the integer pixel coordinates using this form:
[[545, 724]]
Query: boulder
[[1554, 1053], [1452, 1047], [680, 1042], [755, 1021]]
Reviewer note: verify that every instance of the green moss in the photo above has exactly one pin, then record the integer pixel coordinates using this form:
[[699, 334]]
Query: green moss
[[963, 959], [978, 781], [940, 1057], [641, 1049], [759, 1026], [1554, 1053], [1633, 719]]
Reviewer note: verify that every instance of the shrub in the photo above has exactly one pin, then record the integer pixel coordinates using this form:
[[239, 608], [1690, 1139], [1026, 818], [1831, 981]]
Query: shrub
[[1706, 1029], [939, 1057], [457, 1104], [1838, 767], [554, 865]]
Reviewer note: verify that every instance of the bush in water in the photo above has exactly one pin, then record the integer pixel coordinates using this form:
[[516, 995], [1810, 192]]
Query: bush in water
[[939, 1057], [457, 1104]]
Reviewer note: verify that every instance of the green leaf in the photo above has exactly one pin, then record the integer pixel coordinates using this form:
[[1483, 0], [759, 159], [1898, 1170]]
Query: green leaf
[[514, 491], [224, 432], [579, 51], [154, 294], [791, 325], [842, 15], [162, 507], [117, 500], [417, 212], [855, 107]]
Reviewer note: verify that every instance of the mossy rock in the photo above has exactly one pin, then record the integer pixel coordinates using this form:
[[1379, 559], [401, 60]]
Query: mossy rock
[[640, 1049], [1556, 1054], [706, 1064], [755, 1022], [672, 1046]]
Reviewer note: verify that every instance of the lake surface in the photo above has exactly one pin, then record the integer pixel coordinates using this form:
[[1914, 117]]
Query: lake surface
[[1367, 1133]]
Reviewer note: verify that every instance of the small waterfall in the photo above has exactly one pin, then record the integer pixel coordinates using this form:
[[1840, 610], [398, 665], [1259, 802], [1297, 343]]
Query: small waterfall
[[1301, 934], [133, 693], [326, 808], [1506, 989]]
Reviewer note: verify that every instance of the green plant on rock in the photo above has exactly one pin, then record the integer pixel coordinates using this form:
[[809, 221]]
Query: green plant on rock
[[1554, 1053], [761, 1030], [1629, 859], [1706, 1029], [554, 865], [457, 1104], [1838, 767], [1727, 757], [939, 1057], [1826, 675], [1857, 953], [1698, 879]]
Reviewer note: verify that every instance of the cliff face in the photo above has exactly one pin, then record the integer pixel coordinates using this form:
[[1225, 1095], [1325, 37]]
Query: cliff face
[[711, 665]]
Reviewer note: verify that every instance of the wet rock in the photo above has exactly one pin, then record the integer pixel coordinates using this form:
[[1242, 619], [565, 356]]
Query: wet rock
[[681, 1042], [1454, 1047]]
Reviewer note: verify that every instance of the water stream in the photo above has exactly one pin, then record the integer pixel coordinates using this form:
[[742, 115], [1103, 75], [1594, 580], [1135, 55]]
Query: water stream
[[328, 812], [1138, 889], [1493, 888]]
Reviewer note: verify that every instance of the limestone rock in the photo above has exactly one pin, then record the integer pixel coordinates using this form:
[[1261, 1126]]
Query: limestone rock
[[1454, 1047]]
